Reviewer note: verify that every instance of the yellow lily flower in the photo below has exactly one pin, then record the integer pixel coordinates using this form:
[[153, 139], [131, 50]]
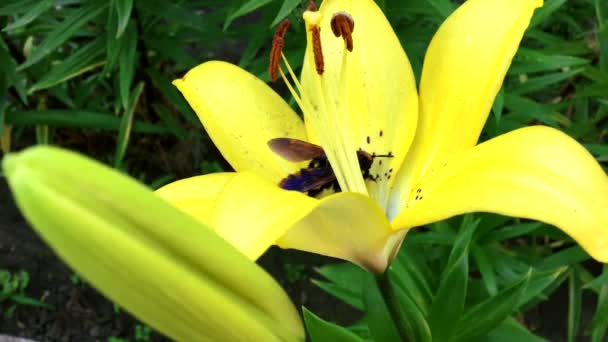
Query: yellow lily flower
[[367, 99], [160, 264]]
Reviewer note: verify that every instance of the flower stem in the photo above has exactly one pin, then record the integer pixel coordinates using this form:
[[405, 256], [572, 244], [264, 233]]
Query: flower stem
[[388, 294]]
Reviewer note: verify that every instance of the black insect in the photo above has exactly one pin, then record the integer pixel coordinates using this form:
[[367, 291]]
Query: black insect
[[319, 175]]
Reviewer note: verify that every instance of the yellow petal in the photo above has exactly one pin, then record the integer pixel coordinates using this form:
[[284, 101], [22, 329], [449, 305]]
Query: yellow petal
[[254, 214], [348, 226], [161, 265], [536, 173], [196, 195], [463, 70], [241, 113], [374, 89]]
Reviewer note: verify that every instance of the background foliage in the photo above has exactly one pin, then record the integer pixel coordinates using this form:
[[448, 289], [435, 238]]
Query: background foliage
[[95, 76]]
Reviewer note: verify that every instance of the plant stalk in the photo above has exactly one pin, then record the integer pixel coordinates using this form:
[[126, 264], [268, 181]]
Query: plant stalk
[[388, 294]]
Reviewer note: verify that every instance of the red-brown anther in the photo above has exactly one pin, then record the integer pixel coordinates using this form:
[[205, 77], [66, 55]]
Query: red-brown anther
[[316, 49], [343, 25], [277, 49], [312, 6]]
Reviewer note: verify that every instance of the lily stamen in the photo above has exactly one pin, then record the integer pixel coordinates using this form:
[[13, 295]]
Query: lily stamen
[[342, 25], [274, 67], [313, 17], [317, 50], [312, 6], [277, 49]]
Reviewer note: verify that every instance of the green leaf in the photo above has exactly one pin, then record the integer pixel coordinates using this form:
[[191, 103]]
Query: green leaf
[[530, 61], [64, 31], [510, 330], [88, 57], [553, 44], [33, 13], [432, 238], [3, 106], [173, 96], [344, 274], [43, 136], [113, 44], [76, 118], [16, 6], [321, 330], [412, 275], [601, 12], [257, 41], [598, 282], [485, 268], [448, 305], [123, 10], [539, 83], [25, 300], [345, 295], [541, 14], [526, 110], [487, 315], [541, 281], [566, 257], [599, 323], [511, 231], [286, 8], [127, 64], [169, 120], [575, 295], [8, 72], [414, 321], [345, 283], [499, 104], [160, 181], [126, 125], [378, 317], [443, 7], [247, 7]]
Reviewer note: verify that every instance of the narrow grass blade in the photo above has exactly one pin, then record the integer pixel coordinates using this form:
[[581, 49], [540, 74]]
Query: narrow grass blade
[[88, 57], [378, 316], [123, 10], [126, 125], [33, 13], [246, 8], [76, 118], [286, 8], [320, 330], [127, 64], [450, 297], [575, 295], [483, 317], [64, 31]]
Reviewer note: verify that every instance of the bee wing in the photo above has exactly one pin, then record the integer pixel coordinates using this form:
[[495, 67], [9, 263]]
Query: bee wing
[[295, 150], [308, 179]]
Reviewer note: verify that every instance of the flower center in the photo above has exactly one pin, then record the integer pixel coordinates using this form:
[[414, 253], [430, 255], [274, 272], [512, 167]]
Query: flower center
[[322, 96]]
